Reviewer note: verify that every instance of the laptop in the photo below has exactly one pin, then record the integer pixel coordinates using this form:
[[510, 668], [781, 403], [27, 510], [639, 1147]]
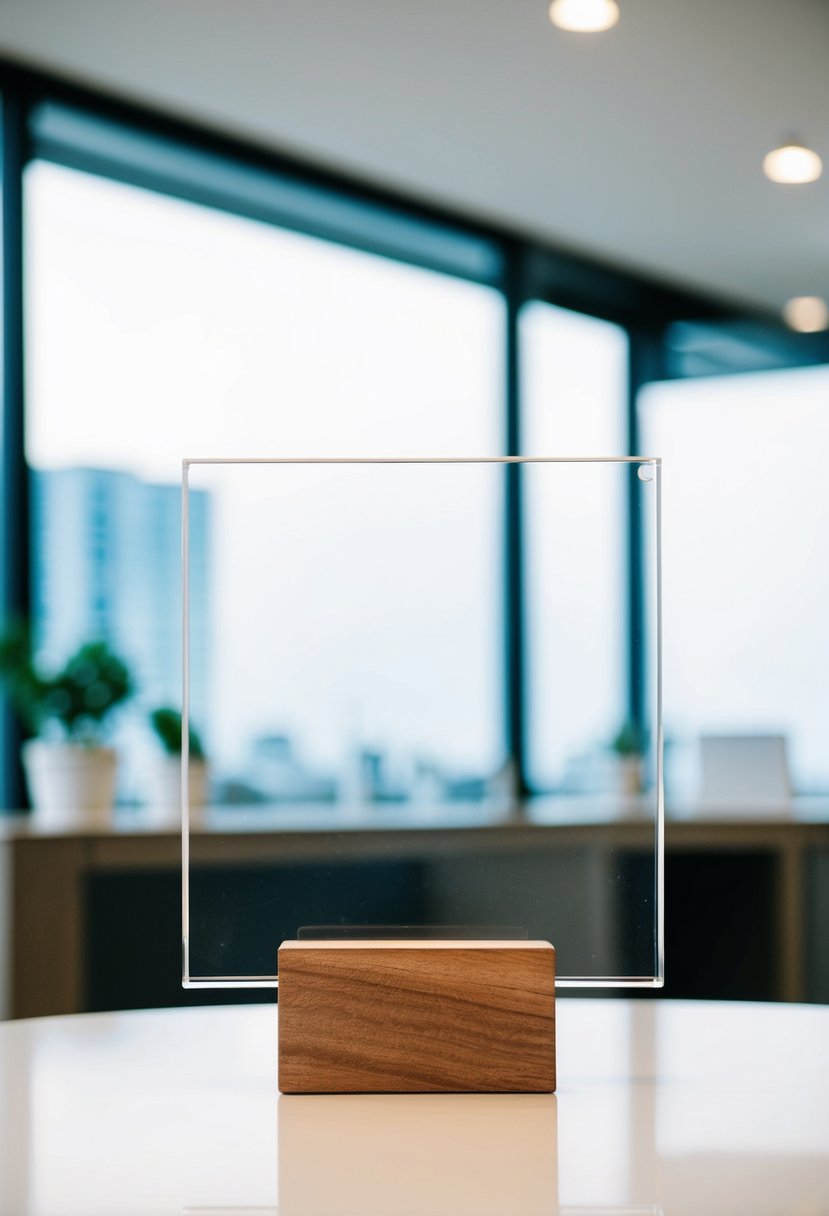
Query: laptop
[[745, 771]]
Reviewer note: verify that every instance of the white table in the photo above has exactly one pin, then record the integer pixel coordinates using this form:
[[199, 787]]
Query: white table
[[662, 1107]]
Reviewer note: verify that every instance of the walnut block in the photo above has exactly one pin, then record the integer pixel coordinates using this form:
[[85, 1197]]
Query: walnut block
[[416, 1016]]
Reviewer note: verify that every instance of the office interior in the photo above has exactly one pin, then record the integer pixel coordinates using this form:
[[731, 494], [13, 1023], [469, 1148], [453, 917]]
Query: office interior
[[342, 261]]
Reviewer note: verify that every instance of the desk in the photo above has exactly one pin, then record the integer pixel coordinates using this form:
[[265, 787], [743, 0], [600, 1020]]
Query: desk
[[663, 1107], [44, 874]]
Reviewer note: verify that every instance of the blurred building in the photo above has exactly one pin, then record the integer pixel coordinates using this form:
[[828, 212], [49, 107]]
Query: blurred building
[[107, 565]]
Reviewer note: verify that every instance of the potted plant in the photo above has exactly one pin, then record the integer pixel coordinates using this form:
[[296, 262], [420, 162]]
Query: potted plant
[[69, 771], [629, 748], [166, 776]]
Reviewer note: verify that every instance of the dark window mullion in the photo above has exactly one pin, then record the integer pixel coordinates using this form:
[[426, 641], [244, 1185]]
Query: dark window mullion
[[15, 581], [514, 585]]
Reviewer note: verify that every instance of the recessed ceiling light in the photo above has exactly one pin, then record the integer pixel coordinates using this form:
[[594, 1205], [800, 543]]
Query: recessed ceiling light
[[584, 16], [793, 164], [806, 314]]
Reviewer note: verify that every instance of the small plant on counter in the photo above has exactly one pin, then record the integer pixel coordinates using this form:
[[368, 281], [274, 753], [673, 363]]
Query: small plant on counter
[[629, 746], [630, 740], [164, 776], [79, 697], [68, 771], [166, 724]]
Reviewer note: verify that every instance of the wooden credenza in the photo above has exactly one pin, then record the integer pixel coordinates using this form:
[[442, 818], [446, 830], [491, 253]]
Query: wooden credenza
[[47, 935]]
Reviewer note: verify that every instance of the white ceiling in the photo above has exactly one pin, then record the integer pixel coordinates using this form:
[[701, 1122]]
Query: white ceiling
[[642, 145]]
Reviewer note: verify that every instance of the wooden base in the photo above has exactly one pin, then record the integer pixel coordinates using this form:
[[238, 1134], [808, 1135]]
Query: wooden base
[[416, 1017]]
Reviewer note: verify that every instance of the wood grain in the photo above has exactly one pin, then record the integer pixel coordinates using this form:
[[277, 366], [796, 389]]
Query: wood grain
[[416, 1017], [47, 900]]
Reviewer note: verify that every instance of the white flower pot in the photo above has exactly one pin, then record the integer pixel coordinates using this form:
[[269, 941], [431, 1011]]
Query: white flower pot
[[70, 783], [164, 803], [629, 774]]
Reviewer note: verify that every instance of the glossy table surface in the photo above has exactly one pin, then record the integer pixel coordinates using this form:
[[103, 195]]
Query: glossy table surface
[[662, 1107]]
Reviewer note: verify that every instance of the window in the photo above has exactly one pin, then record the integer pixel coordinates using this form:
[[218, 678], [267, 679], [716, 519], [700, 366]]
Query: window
[[574, 392], [746, 584], [160, 329], [188, 298]]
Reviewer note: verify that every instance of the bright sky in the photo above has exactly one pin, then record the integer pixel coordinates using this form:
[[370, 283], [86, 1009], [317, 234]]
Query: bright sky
[[746, 511], [158, 329], [575, 374]]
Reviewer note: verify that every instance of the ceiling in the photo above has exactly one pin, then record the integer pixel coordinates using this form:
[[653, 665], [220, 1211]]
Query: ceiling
[[641, 146]]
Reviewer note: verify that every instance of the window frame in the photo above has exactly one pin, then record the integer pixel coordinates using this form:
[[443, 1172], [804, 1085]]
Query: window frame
[[130, 143]]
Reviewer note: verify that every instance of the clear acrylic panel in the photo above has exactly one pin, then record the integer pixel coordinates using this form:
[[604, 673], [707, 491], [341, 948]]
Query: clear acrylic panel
[[362, 669]]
